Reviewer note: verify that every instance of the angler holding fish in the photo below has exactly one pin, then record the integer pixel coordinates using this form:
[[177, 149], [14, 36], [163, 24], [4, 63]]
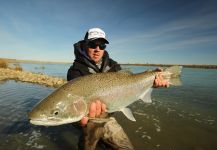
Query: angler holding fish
[[95, 86]]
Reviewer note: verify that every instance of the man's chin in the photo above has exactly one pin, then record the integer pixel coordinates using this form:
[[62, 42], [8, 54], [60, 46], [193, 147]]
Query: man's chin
[[96, 60]]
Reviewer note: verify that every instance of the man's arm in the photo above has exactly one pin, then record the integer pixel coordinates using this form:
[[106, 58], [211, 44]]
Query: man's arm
[[115, 67], [72, 74]]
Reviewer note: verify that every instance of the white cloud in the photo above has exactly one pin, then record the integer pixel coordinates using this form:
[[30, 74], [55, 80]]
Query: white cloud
[[178, 33]]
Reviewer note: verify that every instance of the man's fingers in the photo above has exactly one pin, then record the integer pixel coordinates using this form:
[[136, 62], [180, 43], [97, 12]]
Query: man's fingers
[[104, 108], [157, 81], [160, 82], [95, 110], [84, 121], [98, 108], [166, 84], [159, 75], [92, 110]]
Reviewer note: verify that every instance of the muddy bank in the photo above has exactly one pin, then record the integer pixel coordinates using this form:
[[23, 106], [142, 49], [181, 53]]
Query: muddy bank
[[25, 76]]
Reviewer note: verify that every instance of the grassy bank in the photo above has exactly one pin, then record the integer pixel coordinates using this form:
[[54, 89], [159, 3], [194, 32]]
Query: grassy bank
[[15, 72], [32, 61]]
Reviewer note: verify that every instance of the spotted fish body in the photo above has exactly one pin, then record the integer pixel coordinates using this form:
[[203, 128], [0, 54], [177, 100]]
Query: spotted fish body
[[117, 90]]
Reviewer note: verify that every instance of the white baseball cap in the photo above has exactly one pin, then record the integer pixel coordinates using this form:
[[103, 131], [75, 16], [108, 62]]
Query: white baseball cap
[[95, 33]]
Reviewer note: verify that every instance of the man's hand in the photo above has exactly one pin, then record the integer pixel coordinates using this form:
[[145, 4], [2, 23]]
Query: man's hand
[[159, 81], [95, 110]]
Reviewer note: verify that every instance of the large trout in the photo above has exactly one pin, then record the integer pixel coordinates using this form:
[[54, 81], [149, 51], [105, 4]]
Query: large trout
[[117, 90]]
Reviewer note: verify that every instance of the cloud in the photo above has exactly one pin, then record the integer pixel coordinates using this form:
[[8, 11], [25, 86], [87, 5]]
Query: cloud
[[47, 30], [178, 33]]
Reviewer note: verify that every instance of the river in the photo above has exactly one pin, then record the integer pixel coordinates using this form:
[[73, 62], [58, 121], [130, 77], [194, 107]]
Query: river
[[183, 117]]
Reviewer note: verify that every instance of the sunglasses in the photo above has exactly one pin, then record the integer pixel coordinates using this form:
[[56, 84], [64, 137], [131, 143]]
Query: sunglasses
[[93, 45]]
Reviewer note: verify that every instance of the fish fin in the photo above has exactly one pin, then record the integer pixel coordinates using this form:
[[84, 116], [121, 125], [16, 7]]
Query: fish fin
[[175, 81], [175, 72], [146, 96], [127, 112]]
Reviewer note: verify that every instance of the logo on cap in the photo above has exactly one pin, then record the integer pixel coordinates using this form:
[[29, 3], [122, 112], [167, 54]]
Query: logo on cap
[[95, 33]]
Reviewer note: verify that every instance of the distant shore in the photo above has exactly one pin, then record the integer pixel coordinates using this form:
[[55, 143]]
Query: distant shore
[[205, 66], [17, 73], [32, 61], [168, 65]]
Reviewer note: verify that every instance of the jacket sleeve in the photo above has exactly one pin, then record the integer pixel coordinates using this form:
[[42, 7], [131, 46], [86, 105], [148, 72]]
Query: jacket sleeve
[[117, 67], [114, 66], [73, 73]]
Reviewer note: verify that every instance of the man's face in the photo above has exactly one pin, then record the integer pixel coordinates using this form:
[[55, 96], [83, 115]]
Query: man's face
[[95, 50]]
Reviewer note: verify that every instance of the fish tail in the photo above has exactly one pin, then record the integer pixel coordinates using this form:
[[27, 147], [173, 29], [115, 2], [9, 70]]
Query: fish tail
[[175, 73], [174, 70]]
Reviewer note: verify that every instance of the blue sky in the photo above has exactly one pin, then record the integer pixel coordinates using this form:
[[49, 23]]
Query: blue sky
[[139, 31]]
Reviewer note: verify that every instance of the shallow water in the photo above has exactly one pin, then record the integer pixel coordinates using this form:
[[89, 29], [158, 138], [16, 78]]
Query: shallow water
[[183, 117]]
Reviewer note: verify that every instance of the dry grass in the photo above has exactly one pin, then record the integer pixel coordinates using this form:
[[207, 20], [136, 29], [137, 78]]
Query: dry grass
[[7, 64], [18, 67], [3, 63]]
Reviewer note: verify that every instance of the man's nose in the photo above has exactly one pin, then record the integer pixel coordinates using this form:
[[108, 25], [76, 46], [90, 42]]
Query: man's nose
[[97, 48]]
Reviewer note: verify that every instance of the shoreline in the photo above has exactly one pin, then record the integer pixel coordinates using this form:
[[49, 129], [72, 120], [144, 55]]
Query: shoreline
[[168, 65], [35, 78], [8, 60], [205, 66]]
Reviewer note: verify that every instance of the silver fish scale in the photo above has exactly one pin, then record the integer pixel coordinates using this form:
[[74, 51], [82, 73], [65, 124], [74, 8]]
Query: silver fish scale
[[116, 90]]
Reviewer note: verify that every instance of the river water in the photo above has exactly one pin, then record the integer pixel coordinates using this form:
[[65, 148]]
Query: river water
[[180, 118]]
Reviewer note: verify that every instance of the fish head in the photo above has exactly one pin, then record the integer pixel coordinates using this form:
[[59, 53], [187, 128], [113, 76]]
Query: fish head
[[58, 109]]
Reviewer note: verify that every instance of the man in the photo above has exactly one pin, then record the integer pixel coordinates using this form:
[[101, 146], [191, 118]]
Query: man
[[91, 57]]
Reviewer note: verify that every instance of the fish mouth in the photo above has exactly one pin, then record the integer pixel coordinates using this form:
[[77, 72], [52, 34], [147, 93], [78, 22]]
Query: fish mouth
[[54, 122], [45, 123]]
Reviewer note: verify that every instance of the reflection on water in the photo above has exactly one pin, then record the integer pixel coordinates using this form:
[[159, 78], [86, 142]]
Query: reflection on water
[[179, 118], [17, 99]]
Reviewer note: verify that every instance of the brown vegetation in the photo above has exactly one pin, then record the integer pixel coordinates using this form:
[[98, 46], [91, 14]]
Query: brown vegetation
[[25, 76], [17, 67], [7, 63], [11, 69], [3, 63]]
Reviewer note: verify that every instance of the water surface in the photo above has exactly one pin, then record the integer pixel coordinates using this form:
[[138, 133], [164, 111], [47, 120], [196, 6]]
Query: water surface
[[179, 118]]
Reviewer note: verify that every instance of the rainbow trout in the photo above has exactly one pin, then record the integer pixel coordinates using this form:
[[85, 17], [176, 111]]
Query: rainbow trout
[[117, 90]]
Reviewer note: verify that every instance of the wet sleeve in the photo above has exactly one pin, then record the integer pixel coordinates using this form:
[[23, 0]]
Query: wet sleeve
[[104, 135]]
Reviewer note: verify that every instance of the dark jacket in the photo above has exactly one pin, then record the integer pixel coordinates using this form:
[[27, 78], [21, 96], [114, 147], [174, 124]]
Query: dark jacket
[[83, 65]]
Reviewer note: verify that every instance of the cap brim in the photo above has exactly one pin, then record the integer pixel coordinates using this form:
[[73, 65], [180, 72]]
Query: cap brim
[[106, 41]]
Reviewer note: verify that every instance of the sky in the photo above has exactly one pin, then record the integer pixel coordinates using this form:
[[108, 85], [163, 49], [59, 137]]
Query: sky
[[139, 31]]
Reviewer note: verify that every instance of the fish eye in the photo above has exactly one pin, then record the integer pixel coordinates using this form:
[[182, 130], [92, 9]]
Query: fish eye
[[55, 112]]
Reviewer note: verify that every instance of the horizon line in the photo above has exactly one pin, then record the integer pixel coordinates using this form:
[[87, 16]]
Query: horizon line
[[66, 62]]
